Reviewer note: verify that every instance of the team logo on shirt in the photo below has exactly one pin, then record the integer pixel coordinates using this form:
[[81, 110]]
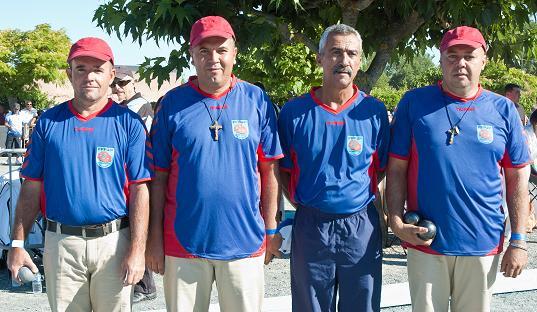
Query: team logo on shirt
[[240, 129], [104, 157], [485, 134], [355, 145]]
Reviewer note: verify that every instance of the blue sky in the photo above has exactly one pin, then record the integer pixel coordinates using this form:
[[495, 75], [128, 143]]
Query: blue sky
[[75, 17]]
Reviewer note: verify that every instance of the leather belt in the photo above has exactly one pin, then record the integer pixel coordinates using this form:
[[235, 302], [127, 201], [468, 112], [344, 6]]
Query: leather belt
[[88, 231]]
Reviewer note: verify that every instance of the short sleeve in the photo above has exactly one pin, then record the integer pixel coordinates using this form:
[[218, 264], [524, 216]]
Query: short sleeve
[[401, 130], [383, 140], [516, 148], [285, 127], [160, 137], [269, 145], [32, 168], [139, 159]]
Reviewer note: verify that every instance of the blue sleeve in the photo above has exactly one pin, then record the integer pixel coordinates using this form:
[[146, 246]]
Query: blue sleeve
[[401, 130], [285, 132], [34, 159], [383, 140], [161, 138], [516, 149], [139, 154], [270, 143]]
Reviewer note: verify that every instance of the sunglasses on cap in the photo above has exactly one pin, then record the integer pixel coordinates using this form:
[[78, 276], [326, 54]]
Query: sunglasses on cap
[[120, 83]]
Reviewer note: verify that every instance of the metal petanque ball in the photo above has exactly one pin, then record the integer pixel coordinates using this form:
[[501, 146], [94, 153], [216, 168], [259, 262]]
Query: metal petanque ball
[[431, 233], [411, 217], [25, 275]]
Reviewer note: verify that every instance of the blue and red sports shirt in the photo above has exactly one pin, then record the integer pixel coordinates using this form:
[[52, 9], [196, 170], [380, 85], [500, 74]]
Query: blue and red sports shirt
[[458, 186], [86, 163], [212, 205], [333, 155]]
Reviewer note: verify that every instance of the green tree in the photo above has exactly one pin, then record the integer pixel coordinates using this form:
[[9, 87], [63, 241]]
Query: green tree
[[405, 73], [29, 56], [297, 69], [523, 55], [390, 28], [496, 75]]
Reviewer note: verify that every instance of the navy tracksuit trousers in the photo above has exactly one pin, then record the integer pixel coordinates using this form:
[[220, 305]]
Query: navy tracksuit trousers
[[336, 254]]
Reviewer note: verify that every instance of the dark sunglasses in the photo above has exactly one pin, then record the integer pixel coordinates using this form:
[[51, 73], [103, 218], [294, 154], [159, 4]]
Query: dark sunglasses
[[120, 83]]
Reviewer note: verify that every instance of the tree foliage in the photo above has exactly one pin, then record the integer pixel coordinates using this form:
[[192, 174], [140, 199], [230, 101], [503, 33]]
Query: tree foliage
[[496, 75], [390, 28], [297, 68], [405, 73], [29, 56]]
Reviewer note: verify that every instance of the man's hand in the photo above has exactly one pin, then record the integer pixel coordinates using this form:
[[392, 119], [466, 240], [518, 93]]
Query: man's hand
[[274, 242], [514, 260], [408, 233], [154, 254], [17, 258], [133, 267]]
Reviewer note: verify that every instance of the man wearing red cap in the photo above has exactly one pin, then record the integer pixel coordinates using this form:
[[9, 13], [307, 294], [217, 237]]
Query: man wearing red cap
[[87, 165], [451, 144], [215, 150]]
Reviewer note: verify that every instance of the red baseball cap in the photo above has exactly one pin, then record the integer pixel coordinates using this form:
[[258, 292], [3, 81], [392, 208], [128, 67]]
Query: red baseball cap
[[93, 47], [210, 26], [463, 35]]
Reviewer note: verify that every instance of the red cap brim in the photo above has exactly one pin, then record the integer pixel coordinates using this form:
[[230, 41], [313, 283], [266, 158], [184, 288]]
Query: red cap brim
[[94, 54], [210, 33], [465, 42]]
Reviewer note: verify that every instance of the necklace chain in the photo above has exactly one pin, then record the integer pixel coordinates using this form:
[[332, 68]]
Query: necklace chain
[[215, 126], [454, 128]]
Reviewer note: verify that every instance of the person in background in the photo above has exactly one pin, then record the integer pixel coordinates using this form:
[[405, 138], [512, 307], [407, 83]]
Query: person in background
[[123, 87], [513, 92], [29, 113], [15, 124]]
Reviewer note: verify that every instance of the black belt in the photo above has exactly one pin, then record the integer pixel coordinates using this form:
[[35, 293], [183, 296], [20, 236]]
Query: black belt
[[97, 230]]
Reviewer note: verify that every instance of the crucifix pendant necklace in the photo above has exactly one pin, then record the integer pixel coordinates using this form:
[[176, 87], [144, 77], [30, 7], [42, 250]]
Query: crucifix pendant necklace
[[215, 126], [454, 128]]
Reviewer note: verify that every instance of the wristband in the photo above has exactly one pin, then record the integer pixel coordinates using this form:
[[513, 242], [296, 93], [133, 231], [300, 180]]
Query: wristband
[[271, 231], [17, 243], [518, 236], [515, 245]]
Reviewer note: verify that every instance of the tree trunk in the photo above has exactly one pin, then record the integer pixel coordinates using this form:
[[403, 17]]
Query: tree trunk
[[350, 10], [394, 35]]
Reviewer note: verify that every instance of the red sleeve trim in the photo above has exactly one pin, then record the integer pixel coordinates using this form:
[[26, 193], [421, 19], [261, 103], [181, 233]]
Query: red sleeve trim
[[271, 158], [381, 169], [516, 166], [162, 169], [32, 179], [140, 181], [399, 156]]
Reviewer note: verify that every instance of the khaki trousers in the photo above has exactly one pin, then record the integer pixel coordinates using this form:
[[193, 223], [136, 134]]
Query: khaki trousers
[[188, 284], [433, 279], [84, 274]]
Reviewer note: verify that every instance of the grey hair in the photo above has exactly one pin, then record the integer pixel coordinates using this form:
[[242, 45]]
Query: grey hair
[[15, 106], [339, 29]]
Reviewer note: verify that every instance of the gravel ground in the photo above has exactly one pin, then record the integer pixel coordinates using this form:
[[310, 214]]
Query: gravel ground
[[277, 284]]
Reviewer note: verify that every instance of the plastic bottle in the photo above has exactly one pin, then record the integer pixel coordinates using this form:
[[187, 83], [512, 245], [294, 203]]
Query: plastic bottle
[[37, 286]]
